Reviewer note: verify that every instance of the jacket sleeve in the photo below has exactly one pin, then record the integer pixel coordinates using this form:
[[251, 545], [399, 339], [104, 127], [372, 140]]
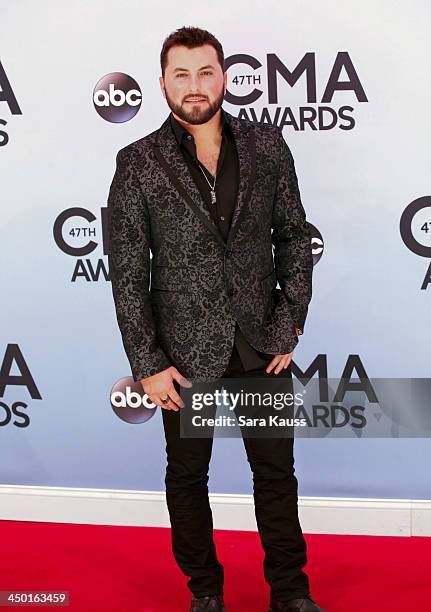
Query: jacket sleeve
[[291, 237], [129, 270]]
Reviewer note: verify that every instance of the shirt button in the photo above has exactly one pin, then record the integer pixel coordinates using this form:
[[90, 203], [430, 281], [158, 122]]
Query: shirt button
[[222, 218], [188, 137]]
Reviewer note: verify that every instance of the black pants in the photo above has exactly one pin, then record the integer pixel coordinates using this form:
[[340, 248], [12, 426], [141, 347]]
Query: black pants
[[275, 490]]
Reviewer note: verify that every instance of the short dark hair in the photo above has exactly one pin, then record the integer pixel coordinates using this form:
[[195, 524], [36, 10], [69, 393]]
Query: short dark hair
[[190, 37]]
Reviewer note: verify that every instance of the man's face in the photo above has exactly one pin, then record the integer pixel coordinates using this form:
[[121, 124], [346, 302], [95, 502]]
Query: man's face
[[194, 84]]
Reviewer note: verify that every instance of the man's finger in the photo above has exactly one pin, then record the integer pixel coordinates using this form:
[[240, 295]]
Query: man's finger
[[157, 400], [280, 365], [273, 363], [176, 397], [184, 382], [288, 361], [281, 361], [169, 405], [153, 398]]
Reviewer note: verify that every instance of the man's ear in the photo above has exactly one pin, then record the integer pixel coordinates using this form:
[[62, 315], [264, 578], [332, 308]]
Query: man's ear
[[162, 85]]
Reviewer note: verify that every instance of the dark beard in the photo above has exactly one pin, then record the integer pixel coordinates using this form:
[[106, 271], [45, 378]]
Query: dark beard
[[196, 115]]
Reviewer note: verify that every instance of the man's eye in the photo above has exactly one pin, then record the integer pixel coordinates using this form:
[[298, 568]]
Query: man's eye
[[181, 74], [207, 72]]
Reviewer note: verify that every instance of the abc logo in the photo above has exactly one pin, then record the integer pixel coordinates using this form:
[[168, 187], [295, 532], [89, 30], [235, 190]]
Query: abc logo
[[117, 97], [317, 245], [130, 402]]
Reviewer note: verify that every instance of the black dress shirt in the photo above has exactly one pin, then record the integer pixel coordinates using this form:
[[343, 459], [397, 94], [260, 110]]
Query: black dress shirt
[[226, 190]]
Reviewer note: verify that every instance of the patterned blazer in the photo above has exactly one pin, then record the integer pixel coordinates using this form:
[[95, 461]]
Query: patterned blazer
[[200, 283]]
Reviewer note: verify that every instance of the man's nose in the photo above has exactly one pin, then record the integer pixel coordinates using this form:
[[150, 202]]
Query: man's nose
[[195, 82]]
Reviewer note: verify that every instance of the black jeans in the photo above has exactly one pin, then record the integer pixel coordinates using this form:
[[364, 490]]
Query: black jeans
[[275, 490]]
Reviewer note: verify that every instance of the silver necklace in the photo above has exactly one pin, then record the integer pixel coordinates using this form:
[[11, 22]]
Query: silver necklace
[[212, 187]]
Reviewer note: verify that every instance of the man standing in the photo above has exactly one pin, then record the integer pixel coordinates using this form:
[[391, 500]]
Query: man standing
[[209, 195]]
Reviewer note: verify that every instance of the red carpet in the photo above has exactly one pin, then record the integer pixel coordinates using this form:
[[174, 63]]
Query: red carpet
[[131, 569]]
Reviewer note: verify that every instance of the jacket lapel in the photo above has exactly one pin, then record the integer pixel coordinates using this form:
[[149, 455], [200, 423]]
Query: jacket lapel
[[169, 156], [246, 148]]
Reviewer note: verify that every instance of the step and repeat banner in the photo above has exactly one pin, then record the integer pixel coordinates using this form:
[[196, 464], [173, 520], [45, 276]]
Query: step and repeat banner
[[350, 88]]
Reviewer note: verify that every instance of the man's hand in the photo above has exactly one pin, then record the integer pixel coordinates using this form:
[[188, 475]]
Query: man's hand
[[281, 361], [161, 386]]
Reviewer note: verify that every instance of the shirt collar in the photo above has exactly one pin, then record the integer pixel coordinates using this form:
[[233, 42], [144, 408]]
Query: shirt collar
[[181, 133]]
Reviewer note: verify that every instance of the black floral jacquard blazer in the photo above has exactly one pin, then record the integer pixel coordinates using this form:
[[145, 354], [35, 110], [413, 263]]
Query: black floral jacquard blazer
[[200, 283]]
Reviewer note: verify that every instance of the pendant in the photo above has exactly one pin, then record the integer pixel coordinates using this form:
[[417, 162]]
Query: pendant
[[213, 196]]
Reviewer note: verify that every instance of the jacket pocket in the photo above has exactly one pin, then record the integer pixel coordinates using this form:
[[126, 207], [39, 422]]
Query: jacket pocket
[[171, 278], [173, 304]]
